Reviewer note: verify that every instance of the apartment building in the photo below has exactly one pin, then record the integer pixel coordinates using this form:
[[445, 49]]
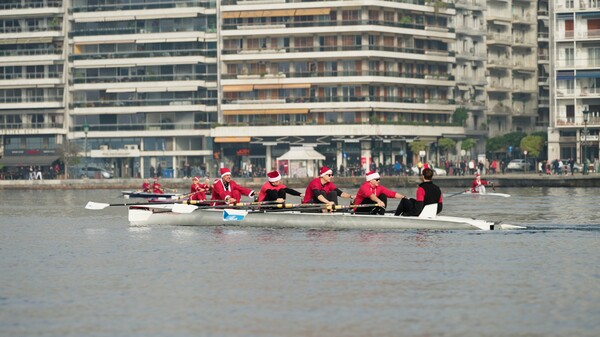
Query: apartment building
[[576, 89], [144, 82], [32, 82], [138, 83], [358, 80], [470, 70], [543, 56], [512, 66]]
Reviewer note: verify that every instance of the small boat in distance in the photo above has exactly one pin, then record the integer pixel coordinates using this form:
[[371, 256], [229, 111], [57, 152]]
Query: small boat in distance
[[150, 195]]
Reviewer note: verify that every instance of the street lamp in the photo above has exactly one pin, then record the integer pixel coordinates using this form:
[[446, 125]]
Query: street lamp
[[526, 168], [586, 114], [86, 128]]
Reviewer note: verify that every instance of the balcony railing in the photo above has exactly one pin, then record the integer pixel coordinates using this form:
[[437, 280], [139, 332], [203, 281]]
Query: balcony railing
[[143, 54], [143, 102], [328, 23], [156, 4], [20, 76], [144, 78], [354, 47], [342, 73], [30, 52], [134, 30], [22, 126], [330, 99], [143, 127], [28, 5]]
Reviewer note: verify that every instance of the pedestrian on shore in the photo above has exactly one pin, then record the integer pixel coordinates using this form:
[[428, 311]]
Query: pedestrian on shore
[[427, 193], [225, 188], [372, 192], [274, 190]]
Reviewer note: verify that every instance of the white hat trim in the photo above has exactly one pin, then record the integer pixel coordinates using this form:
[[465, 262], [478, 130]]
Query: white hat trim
[[373, 176]]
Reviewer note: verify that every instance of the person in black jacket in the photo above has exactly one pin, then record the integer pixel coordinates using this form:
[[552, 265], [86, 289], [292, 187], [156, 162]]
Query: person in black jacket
[[427, 193]]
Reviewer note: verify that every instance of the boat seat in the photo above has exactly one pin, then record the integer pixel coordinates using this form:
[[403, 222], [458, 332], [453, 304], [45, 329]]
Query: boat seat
[[429, 211]]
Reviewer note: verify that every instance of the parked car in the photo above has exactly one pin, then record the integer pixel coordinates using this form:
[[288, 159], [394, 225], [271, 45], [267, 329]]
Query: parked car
[[436, 171], [563, 165], [92, 172], [518, 165]]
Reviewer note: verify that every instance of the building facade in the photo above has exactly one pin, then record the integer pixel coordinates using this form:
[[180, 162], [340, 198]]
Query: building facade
[[33, 109], [576, 81], [193, 85]]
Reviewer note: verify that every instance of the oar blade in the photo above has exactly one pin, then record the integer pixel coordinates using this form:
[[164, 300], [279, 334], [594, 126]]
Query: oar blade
[[183, 208], [96, 205]]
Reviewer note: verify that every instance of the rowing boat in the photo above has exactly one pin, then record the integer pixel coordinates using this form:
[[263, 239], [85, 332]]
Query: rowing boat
[[150, 195], [148, 215], [487, 194]]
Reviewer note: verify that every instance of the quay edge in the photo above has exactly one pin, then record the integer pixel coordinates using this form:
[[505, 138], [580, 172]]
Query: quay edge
[[392, 182]]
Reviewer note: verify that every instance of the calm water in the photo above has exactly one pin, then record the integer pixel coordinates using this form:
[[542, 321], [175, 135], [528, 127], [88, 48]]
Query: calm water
[[67, 271]]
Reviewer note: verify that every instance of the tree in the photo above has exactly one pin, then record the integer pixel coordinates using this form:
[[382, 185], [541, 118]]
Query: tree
[[533, 145], [417, 146], [447, 144], [69, 155], [468, 144], [460, 115]]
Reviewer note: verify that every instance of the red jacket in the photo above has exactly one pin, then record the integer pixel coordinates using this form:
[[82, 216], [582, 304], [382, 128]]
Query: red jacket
[[233, 191]]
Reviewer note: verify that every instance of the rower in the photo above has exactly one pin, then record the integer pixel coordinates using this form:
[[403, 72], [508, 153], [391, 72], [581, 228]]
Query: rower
[[478, 185], [322, 190], [274, 190], [156, 188], [198, 190], [227, 189], [146, 186], [372, 192], [427, 193]]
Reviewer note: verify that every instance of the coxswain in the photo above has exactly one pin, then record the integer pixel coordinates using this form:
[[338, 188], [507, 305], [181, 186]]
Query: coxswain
[[198, 190], [322, 190], [274, 190], [146, 186], [225, 188], [372, 192], [478, 185], [427, 193], [156, 188]]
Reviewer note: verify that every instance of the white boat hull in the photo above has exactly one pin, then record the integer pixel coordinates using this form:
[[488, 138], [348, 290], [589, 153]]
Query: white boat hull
[[149, 216]]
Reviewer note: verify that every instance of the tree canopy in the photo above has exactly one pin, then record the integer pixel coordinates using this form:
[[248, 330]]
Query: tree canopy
[[533, 145], [446, 145]]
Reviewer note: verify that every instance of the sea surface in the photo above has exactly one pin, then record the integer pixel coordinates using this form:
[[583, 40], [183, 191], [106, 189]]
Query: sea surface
[[67, 271]]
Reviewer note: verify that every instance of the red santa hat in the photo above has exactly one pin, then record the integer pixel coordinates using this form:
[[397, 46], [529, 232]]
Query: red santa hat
[[224, 171], [372, 175], [325, 171], [196, 178], [273, 176], [477, 175]]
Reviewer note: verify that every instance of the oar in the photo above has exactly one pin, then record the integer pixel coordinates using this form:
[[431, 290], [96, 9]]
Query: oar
[[98, 205], [190, 206], [457, 193]]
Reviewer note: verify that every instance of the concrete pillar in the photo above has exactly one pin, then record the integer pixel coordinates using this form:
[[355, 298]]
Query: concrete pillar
[[268, 160], [339, 156]]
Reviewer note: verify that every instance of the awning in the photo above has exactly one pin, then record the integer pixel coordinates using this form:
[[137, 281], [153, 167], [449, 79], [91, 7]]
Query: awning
[[588, 74], [566, 75], [27, 160], [232, 140], [302, 153], [463, 87]]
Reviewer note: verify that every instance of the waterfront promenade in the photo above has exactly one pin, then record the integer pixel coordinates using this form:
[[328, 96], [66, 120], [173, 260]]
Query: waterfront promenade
[[182, 185]]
